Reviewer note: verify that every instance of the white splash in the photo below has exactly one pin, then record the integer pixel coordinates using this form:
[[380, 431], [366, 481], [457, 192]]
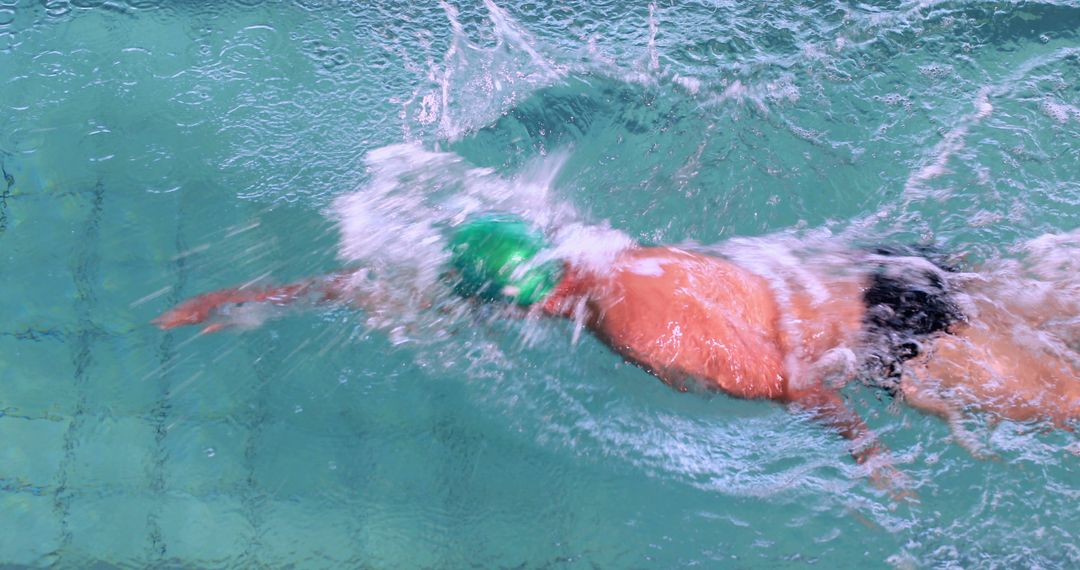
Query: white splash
[[654, 57], [590, 246], [950, 145], [473, 84], [396, 223]]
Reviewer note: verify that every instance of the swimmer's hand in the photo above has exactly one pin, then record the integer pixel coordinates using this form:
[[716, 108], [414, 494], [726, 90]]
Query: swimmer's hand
[[216, 305], [893, 481], [200, 309], [884, 474]]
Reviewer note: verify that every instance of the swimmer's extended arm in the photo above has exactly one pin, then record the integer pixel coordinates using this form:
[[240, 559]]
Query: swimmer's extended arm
[[828, 407], [326, 289]]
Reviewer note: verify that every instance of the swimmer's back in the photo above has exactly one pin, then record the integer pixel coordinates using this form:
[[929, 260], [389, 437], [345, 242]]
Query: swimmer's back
[[686, 317]]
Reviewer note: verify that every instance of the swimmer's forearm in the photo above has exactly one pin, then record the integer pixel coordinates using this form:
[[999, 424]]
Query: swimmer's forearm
[[826, 406], [326, 289]]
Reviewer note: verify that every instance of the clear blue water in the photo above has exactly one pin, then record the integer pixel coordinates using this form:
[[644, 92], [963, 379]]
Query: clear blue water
[[155, 150]]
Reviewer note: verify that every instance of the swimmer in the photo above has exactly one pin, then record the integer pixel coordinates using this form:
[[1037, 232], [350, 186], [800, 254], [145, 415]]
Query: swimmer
[[698, 321]]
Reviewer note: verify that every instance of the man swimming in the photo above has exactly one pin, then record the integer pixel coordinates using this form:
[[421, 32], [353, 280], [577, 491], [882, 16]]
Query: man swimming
[[696, 320]]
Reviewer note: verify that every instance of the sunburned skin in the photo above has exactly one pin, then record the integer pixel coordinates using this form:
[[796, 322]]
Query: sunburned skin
[[697, 320], [684, 318]]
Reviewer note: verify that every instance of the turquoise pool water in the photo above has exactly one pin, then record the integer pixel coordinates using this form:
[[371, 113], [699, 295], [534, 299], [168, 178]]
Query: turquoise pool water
[[155, 150]]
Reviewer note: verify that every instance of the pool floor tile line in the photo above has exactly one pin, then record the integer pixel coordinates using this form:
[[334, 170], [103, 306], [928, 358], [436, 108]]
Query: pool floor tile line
[[35, 334], [167, 353], [20, 487], [8, 183], [157, 547], [84, 273], [253, 499]]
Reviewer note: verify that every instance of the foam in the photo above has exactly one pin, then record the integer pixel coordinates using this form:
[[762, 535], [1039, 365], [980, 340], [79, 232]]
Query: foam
[[591, 246], [1059, 112]]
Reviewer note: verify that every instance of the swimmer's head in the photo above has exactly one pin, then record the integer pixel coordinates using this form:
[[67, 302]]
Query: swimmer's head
[[494, 257]]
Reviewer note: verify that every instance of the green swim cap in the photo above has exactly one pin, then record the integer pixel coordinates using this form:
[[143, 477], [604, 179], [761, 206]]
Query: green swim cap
[[491, 257]]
